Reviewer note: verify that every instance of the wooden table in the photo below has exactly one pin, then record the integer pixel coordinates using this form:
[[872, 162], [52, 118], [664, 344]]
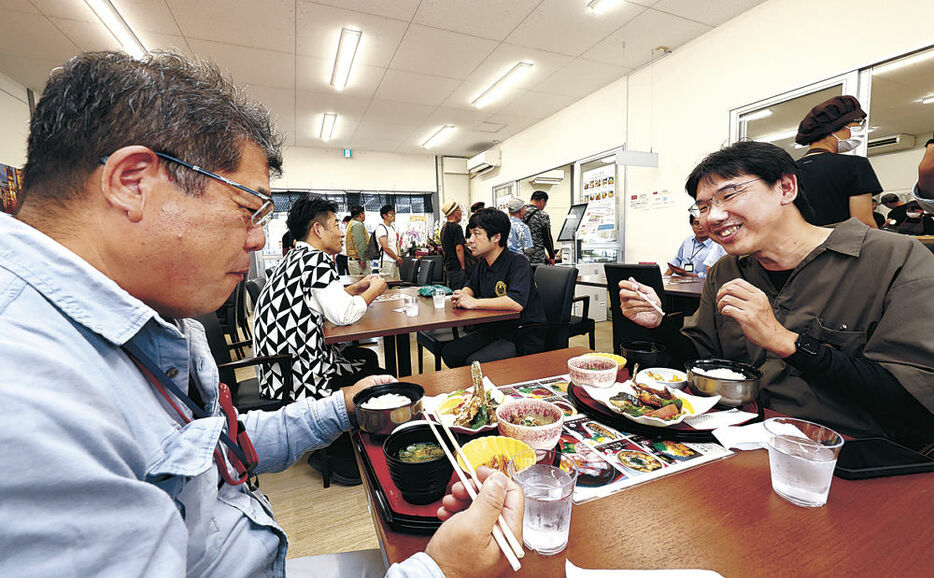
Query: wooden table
[[721, 516], [394, 327], [679, 295]]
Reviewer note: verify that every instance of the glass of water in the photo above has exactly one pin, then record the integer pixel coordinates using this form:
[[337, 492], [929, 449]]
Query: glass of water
[[438, 297], [411, 306], [547, 479], [802, 457]]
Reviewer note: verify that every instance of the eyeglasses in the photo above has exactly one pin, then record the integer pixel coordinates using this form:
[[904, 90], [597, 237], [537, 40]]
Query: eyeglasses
[[258, 218], [721, 198]]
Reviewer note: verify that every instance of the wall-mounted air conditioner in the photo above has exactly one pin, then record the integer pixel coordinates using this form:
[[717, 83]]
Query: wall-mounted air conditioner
[[890, 144], [552, 177], [484, 162]]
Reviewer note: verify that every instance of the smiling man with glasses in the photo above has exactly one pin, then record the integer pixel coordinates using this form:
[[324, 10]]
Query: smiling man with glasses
[[839, 321], [125, 455]]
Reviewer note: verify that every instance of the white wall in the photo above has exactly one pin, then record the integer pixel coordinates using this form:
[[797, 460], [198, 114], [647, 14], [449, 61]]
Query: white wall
[[14, 120], [898, 172], [307, 168], [679, 107]]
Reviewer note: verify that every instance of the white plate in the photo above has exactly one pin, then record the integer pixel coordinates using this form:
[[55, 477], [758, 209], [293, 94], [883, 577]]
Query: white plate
[[429, 404], [698, 404], [666, 374]]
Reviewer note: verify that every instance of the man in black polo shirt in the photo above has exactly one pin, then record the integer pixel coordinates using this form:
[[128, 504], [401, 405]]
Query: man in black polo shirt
[[502, 280]]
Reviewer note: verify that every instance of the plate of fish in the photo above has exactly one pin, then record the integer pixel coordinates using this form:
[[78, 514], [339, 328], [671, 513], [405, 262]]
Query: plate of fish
[[650, 406], [470, 410]]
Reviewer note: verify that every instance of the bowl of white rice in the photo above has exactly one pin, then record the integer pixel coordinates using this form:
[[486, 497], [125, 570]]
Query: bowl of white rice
[[382, 408], [736, 383]]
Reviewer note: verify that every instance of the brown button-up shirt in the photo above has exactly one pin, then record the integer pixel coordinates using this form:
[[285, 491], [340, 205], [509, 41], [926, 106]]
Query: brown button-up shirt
[[867, 292]]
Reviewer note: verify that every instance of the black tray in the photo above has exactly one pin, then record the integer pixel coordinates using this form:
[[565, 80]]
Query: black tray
[[597, 411]]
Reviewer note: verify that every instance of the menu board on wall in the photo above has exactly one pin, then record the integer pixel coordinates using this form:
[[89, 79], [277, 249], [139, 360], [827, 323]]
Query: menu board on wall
[[11, 187], [599, 192]]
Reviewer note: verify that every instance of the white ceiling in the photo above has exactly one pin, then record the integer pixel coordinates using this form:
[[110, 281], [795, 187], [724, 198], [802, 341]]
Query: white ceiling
[[419, 65]]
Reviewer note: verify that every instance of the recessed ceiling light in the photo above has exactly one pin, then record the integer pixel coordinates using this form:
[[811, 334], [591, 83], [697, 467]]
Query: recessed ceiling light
[[114, 22], [599, 6], [757, 115], [438, 136], [903, 62], [343, 60], [327, 125], [502, 83]]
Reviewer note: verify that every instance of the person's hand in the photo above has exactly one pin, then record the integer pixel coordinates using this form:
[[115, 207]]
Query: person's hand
[[377, 284], [634, 306], [464, 545], [398, 260], [350, 392], [464, 300], [750, 307], [456, 297]]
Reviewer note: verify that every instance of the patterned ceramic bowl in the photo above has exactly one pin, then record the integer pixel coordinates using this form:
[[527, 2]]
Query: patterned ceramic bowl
[[592, 371], [538, 437]]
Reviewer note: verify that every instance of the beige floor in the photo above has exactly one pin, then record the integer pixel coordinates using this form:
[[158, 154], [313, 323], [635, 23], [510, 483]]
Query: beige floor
[[319, 520]]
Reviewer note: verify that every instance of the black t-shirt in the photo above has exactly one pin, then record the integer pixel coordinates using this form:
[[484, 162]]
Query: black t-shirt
[[451, 236], [829, 180], [898, 214], [510, 275]]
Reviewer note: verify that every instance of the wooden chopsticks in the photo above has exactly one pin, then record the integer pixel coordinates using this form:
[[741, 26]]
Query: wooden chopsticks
[[504, 537]]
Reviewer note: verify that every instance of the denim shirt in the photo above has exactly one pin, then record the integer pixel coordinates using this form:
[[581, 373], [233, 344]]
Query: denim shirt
[[520, 237], [101, 477]]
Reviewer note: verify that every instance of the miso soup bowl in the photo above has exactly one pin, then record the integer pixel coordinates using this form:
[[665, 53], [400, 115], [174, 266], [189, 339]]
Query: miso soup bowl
[[422, 482], [542, 437]]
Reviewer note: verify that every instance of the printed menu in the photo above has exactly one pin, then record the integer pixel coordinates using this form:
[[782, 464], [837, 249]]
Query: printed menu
[[599, 222], [609, 460]]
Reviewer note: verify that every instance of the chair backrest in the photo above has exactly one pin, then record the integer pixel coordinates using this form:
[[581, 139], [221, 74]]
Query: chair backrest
[[437, 275], [408, 269], [340, 260], [624, 329], [556, 289], [253, 288], [217, 342], [426, 270]]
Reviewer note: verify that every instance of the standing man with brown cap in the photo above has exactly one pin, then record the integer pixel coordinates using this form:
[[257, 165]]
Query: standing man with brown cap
[[837, 186], [452, 245]]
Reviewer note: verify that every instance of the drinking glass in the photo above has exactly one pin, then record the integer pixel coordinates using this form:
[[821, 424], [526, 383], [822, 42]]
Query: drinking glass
[[547, 479], [802, 456], [438, 298], [411, 306]]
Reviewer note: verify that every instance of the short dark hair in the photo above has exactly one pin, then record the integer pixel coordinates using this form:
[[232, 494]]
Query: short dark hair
[[307, 210], [492, 221], [477, 206], [889, 198], [99, 102], [764, 160], [355, 210], [346, 219], [540, 196], [385, 209], [691, 219]]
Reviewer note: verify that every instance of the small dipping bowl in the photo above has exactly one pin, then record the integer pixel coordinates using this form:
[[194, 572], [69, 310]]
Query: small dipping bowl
[[659, 376], [422, 482], [381, 422], [592, 371], [541, 437], [732, 392]]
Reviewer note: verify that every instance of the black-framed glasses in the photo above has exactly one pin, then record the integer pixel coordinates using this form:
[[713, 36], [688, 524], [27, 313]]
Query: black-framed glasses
[[721, 198], [258, 218]]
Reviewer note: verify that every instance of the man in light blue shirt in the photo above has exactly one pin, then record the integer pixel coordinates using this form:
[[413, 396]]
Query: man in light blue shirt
[[696, 253], [520, 236], [120, 443]]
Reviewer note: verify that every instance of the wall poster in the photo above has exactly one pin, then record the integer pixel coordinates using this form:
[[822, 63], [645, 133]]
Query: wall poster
[[11, 187], [599, 192]]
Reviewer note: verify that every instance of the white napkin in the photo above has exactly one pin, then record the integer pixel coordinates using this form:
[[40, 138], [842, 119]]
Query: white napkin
[[718, 419], [753, 436], [571, 571]]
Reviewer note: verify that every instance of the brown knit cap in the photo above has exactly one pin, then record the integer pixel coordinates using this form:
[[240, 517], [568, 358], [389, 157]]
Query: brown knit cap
[[827, 117]]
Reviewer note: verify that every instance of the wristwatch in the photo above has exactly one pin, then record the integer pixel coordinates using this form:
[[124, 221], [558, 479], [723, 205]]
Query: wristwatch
[[806, 346]]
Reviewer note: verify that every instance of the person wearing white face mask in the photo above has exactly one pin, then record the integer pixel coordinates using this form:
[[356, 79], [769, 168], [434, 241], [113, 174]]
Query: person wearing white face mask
[[838, 186]]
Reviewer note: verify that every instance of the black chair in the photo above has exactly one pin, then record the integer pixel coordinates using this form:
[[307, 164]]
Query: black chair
[[340, 260], [426, 272], [434, 341], [437, 275], [407, 270], [556, 289], [584, 325], [624, 329], [228, 317], [253, 288], [245, 394]]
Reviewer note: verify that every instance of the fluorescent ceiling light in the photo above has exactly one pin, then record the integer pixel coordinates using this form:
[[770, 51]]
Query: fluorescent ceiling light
[[504, 82], [608, 160], [903, 62], [327, 125], [757, 115], [778, 135], [927, 100], [439, 135], [599, 6], [343, 60], [119, 29]]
